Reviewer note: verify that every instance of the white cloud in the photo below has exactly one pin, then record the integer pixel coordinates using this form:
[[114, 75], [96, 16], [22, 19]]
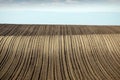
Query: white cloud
[[56, 7]]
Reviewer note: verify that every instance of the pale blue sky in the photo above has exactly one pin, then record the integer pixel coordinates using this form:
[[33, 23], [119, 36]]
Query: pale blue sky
[[15, 12], [37, 17]]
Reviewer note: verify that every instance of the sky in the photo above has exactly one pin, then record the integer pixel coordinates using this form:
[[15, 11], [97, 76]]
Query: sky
[[94, 12], [58, 0]]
